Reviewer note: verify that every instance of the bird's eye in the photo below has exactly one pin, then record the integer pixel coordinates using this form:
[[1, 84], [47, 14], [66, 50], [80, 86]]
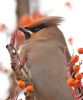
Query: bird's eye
[[36, 29]]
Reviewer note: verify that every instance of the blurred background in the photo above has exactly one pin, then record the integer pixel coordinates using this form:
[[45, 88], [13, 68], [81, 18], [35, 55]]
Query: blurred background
[[14, 13]]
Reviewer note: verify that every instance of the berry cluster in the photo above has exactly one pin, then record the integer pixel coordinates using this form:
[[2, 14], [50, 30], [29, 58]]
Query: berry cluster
[[22, 84], [74, 77]]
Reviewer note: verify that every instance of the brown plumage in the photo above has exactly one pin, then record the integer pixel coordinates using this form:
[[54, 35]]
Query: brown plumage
[[46, 59]]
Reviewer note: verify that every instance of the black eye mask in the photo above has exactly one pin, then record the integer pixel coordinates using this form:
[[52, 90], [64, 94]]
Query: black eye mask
[[26, 30], [36, 28]]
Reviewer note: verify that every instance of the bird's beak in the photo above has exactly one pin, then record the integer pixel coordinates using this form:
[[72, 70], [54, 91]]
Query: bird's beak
[[26, 32], [23, 29]]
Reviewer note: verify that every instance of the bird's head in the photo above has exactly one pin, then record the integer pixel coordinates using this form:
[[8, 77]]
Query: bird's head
[[40, 24]]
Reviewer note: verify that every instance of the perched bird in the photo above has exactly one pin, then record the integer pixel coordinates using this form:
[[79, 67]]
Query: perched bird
[[44, 48]]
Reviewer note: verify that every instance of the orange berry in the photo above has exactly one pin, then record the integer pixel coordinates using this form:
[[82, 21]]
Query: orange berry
[[76, 68], [29, 88], [77, 83], [71, 82], [80, 50], [78, 76], [74, 59], [82, 75], [21, 84]]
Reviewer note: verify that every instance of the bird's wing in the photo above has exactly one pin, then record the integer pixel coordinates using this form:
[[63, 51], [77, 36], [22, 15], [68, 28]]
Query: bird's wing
[[48, 71]]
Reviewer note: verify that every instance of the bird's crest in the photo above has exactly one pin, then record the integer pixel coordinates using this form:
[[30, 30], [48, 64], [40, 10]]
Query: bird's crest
[[47, 21]]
